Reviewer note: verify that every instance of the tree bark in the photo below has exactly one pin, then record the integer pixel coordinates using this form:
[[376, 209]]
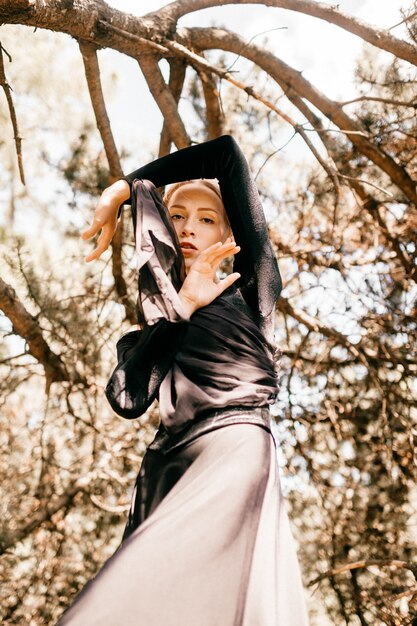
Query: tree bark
[[92, 74], [175, 84], [378, 37], [215, 117], [24, 324], [164, 99], [43, 514], [205, 38]]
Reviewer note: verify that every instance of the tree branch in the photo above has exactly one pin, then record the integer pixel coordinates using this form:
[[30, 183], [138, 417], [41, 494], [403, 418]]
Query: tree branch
[[121, 508], [215, 117], [25, 325], [204, 38], [164, 99], [369, 203], [7, 93], [100, 26], [90, 20], [378, 37], [200, 62], [348, 567], [372, 206], [92, 74], [317, 326], [176, 82], [44, 514], [397, 103]]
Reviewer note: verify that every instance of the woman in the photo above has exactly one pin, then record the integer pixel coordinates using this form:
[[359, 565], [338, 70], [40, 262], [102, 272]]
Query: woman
[[207, 541]]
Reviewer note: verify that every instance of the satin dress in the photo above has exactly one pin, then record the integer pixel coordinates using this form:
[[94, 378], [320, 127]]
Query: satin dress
[[207, 541]]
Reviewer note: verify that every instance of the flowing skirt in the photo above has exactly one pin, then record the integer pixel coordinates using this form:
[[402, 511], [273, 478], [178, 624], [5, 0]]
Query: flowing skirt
[[208, 542]]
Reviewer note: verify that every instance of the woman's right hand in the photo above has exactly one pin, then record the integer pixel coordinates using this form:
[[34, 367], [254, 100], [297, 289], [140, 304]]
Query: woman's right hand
[[105, 217], [201, 285]]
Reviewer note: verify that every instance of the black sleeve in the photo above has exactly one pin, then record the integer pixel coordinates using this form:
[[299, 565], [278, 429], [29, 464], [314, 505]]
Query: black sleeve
[[222, 158], [144, 359]]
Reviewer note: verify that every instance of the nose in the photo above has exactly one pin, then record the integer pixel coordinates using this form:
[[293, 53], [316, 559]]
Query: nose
[[187, 228]]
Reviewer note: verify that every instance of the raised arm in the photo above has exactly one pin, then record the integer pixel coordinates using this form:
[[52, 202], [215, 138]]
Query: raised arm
[[222, 158]]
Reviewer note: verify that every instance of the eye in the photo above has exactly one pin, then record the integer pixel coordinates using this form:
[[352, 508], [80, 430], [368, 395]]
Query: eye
[[176, 216], [207, 220]]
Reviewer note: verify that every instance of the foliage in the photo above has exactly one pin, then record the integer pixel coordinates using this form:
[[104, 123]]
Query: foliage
[[346, 324]]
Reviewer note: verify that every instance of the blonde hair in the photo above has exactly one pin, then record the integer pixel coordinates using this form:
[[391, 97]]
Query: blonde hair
[[211, 183]]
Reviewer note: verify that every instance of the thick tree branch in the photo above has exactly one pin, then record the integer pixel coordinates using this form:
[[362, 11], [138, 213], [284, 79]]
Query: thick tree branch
[[92, 74], [348, 567], [95, 21], [215, 117], [205, 38], [165, 100], [378, 37], [176, 82], [25, 326], [43, 514], [17, 139], [369, 203], [119, 279], [85, 20], [99, 26], [199, 62]]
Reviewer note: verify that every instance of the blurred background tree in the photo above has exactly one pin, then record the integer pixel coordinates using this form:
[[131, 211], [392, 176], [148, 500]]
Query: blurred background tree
[[343, 223]]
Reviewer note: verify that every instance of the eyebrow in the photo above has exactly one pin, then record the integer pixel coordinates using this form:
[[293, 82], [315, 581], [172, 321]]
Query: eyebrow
[[180, 206]]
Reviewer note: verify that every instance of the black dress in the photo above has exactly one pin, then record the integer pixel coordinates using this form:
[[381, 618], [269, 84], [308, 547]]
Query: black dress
[[207, 542]]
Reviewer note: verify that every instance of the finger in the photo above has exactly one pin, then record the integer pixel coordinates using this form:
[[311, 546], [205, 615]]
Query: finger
[[216, 258], [226, 282], [211, 248], [92, 230], [218, 249], [95, 254], [103, 243]]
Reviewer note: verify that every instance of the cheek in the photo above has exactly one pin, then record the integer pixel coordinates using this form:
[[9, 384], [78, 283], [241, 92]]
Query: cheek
[[223, 233], [176, 224]]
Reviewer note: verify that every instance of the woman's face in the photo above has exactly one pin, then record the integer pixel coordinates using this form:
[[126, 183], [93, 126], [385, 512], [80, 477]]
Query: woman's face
[[199, 219]]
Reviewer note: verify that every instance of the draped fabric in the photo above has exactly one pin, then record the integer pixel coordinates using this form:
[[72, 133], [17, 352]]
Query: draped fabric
[[160, 263], [218, 358], [221, 158], [207, 540], [209, 543]]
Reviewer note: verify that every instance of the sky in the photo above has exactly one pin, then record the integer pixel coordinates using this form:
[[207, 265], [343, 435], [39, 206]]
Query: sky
[[324, 53]]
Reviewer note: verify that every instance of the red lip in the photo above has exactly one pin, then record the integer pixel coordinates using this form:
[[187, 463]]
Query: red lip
[[187, 245]]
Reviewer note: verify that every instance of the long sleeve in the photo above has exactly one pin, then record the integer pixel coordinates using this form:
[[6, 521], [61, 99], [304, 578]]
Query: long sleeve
[[144, 358], [221, 158], [160, 262]]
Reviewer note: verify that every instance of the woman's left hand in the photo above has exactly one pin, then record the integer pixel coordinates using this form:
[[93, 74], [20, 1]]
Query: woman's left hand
[[201, 285], [105, 217]]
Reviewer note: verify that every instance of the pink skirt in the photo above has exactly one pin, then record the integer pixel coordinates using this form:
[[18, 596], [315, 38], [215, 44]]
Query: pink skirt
[[208, 542]]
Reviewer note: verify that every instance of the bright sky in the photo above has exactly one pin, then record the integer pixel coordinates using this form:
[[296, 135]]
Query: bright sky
[[325, 53], [316, 36]]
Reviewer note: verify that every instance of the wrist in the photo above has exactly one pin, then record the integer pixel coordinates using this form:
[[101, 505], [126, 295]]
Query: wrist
[[188, 305], [118, 191]]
